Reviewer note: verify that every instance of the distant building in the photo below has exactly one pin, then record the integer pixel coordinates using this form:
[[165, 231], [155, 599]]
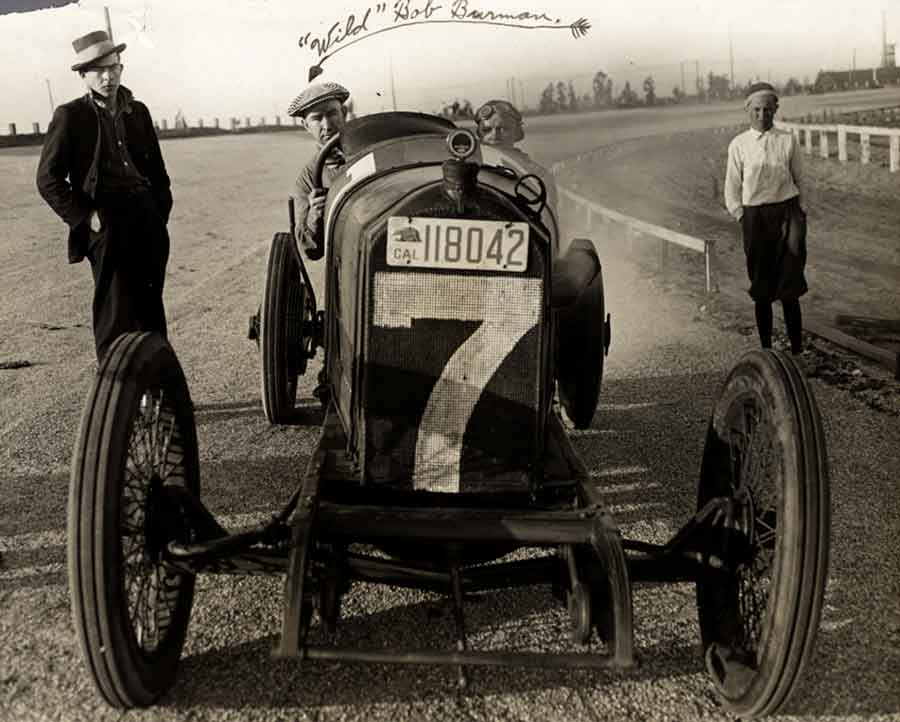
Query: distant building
[[830, 80]]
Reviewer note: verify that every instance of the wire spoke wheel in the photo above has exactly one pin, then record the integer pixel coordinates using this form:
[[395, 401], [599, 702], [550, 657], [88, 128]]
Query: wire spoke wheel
[[137, 436], [283, 346], [765, 455]]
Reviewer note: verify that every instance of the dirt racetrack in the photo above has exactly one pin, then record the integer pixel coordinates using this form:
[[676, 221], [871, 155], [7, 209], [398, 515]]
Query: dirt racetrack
[[667, 360]]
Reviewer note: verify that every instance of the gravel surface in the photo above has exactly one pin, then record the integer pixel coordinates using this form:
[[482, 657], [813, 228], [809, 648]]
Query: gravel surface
[[668, 357]]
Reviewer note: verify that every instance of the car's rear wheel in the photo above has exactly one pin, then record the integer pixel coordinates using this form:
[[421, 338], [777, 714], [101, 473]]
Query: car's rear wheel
[[281, 331], [137, 436], [765, 453]]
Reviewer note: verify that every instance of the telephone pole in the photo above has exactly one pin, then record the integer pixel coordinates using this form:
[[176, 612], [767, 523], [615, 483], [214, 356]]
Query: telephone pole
[[108, 23], [731, 58], [50, 94], [697, 73], [683, 89], [393, 92]]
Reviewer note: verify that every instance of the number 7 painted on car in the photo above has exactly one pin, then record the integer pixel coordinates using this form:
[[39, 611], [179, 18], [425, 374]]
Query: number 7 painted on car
[[499, 303]]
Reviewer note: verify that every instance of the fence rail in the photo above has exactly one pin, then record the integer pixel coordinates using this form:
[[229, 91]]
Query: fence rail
[[637, 226], [865, 133]]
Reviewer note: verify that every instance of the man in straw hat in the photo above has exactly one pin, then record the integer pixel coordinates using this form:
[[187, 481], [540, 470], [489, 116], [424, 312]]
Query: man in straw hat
[[102, 172], [762, 192], [323, 113]]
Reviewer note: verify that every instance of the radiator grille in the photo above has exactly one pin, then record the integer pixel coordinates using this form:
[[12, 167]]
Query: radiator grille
[[438, 415]]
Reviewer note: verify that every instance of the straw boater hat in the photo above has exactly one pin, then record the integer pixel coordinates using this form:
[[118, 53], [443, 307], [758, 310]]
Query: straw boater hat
[[93, 47], [315, 94]]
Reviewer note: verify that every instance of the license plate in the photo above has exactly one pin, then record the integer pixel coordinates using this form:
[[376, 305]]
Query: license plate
[[457, 243]]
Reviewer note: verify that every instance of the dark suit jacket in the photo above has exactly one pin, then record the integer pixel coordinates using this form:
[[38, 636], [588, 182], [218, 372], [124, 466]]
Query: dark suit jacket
[[68, 170]]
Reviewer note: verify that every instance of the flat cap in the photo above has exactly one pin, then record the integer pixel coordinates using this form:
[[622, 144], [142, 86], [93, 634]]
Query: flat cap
[[317, 93]]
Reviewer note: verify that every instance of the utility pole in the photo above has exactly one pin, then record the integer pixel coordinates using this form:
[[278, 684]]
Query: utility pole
[[697, 73], [521, 94], [731, 58], [884, 39], [683, 89], [393, 92], [852, 67], [50, 94], [108, 23]]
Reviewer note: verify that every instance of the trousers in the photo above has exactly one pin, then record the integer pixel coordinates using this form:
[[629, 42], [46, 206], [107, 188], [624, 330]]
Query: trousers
[[775, 249], [128, 257]]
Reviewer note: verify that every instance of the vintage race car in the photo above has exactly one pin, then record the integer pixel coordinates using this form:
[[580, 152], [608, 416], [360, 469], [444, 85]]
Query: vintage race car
[[453, 319]]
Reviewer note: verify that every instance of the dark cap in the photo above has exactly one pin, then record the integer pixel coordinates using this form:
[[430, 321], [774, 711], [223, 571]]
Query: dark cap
[[315, 94]]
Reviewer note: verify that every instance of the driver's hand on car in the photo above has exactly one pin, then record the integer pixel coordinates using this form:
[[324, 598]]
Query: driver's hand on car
[[314, 214]]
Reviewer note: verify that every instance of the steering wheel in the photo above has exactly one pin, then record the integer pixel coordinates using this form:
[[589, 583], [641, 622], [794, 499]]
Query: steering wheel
[[319, 166]]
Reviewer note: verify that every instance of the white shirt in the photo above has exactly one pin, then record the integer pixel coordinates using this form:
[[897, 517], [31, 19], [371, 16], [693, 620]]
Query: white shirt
[[763, 167]]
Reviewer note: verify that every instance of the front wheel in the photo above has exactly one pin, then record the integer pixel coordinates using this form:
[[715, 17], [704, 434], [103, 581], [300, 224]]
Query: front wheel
[[765, 458], [137, 436]]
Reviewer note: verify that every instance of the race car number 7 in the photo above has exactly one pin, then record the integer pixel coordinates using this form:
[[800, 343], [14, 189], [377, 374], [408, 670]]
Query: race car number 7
[[503, 306]]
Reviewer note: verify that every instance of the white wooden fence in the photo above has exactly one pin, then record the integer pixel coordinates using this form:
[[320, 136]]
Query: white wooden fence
[[865, 134], [637, 226]]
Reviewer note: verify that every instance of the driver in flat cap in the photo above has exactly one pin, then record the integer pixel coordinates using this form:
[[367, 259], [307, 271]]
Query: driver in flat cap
[[102, 172], [323, 113]]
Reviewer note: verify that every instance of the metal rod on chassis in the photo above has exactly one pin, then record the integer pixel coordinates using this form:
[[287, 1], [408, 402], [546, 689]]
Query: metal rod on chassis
[[574, 660]]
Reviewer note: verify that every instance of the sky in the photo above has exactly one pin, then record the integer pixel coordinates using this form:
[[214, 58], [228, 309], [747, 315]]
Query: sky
[[243, 58]]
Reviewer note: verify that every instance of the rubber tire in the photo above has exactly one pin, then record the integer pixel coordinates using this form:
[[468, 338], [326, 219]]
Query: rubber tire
[[125, 675], [581, 351], [281, 339], [803, 518]]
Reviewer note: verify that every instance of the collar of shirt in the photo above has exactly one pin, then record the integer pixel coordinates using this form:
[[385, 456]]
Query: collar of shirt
[[758, 134], [123, 95]]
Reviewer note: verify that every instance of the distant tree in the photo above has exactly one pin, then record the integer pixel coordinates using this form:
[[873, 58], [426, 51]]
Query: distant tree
[[701, 90], [608, 93], [573, 98], [466, 111], [627, 97], [649, 90], [677, 94], [718, 86], [599, 87], [792, 86], [561, 96], [546, 103]]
